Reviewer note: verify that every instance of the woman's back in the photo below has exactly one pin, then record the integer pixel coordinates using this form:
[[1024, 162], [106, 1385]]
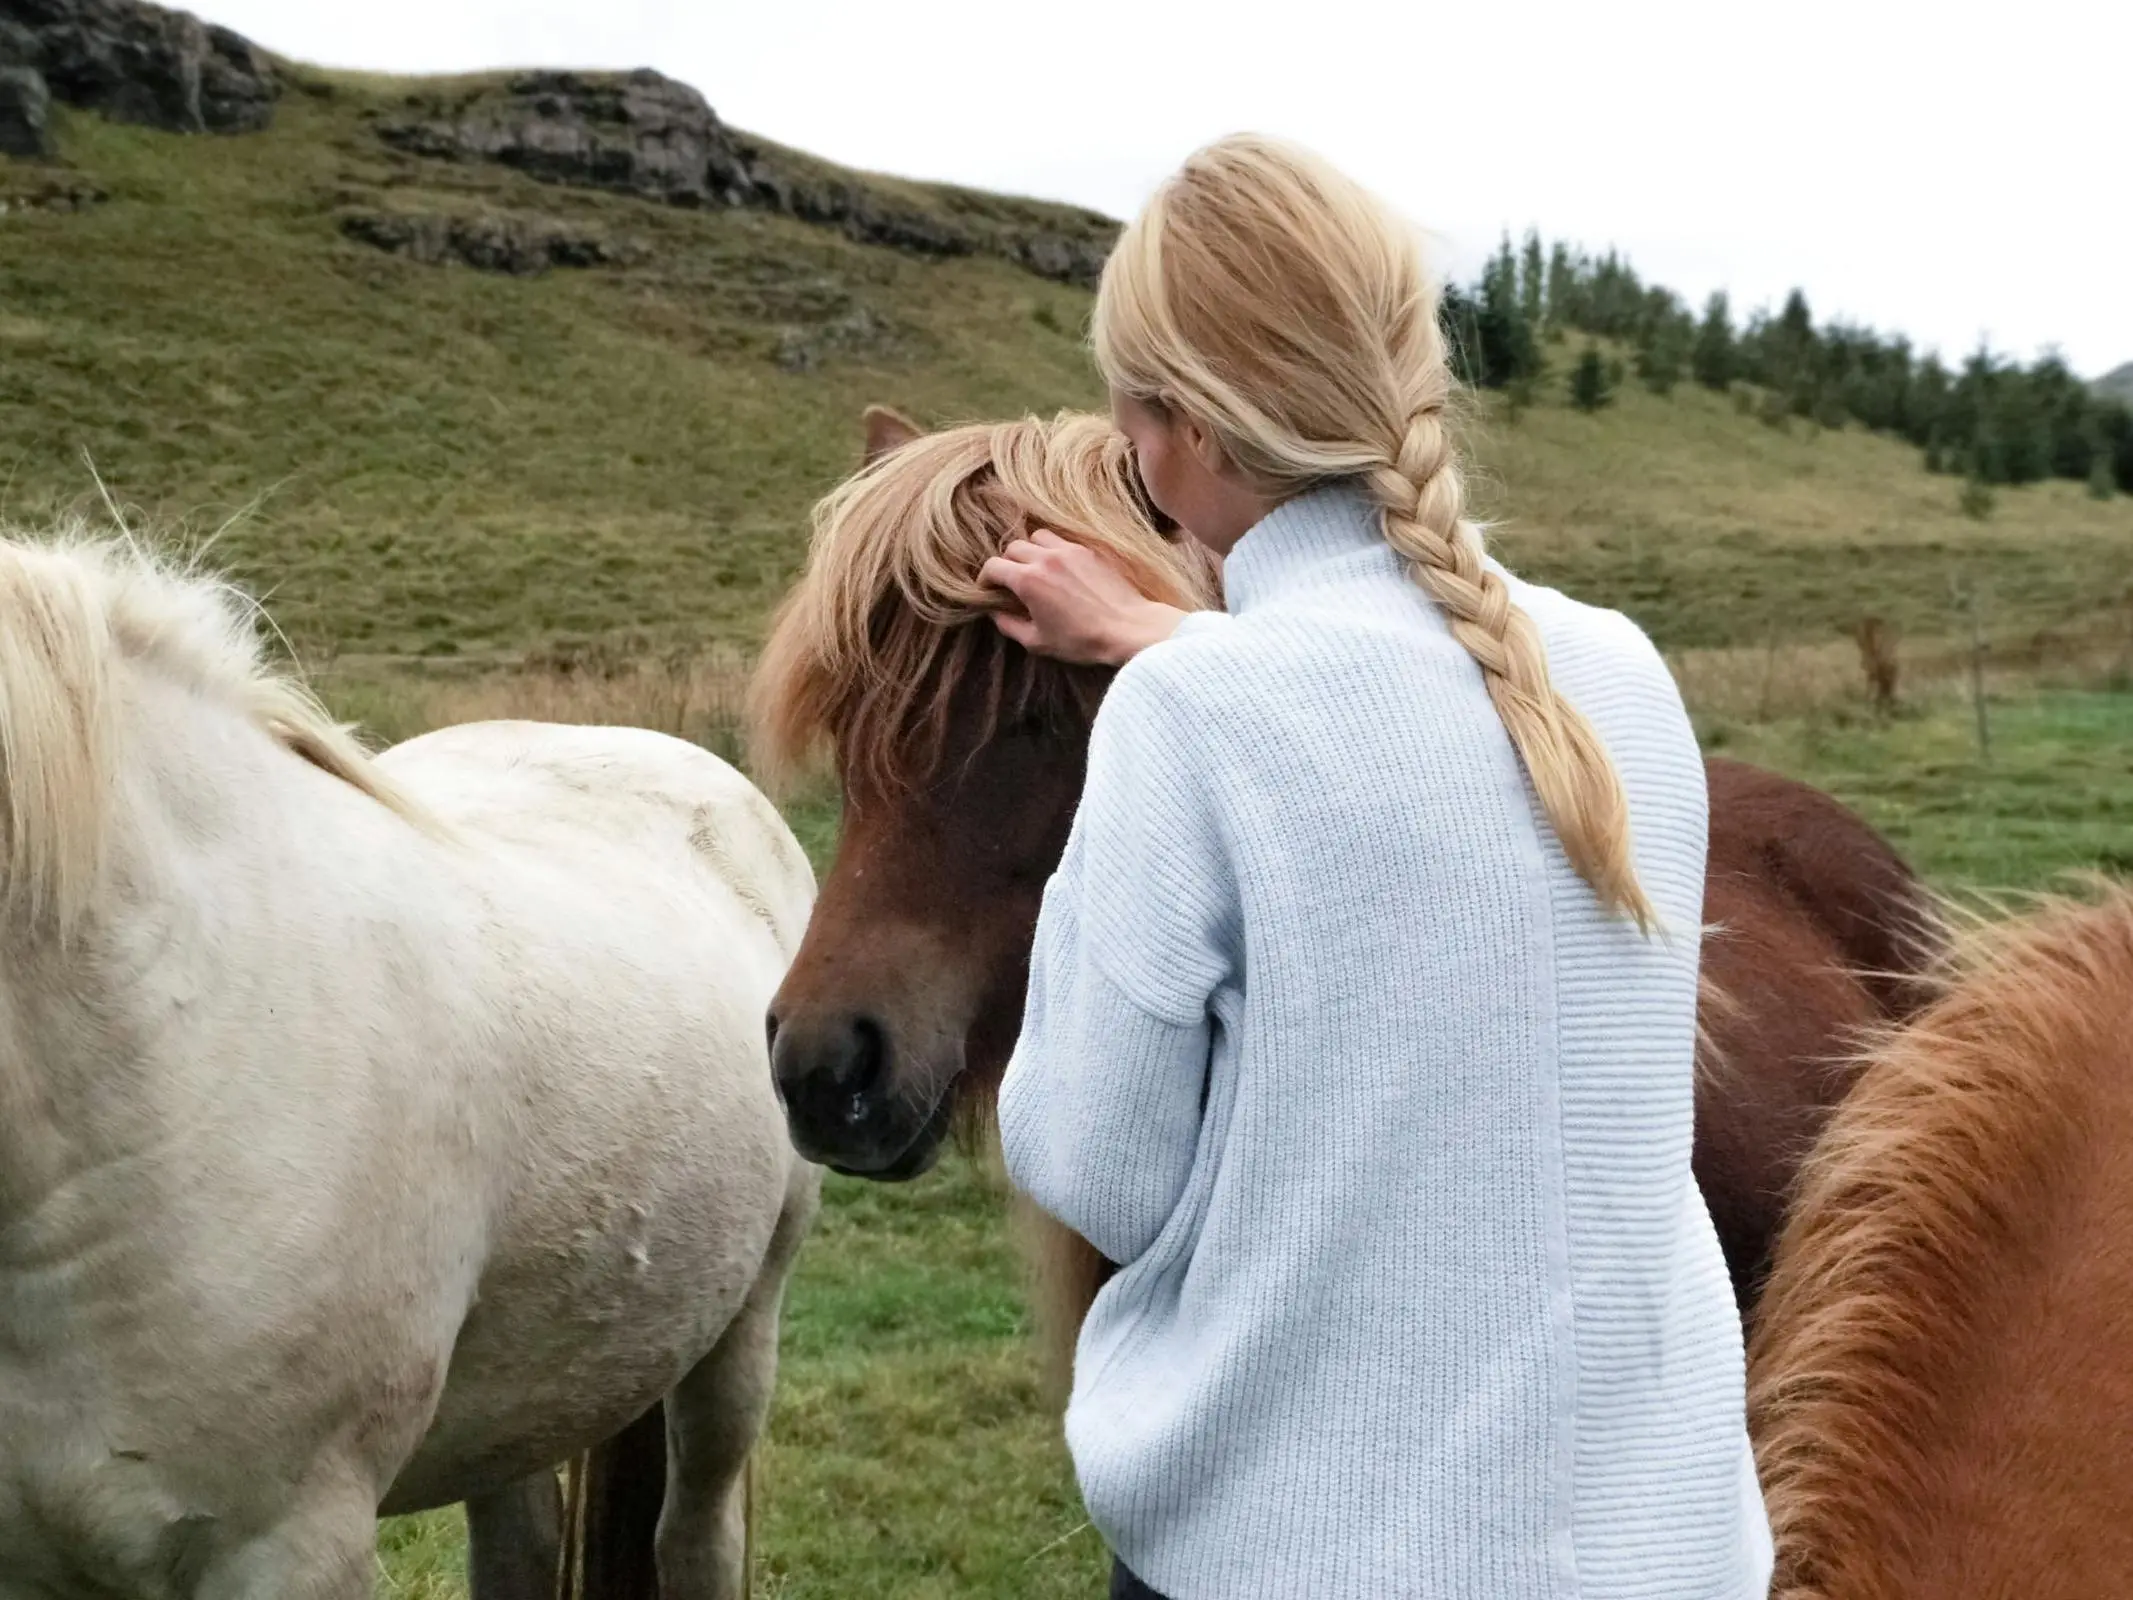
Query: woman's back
[[1361, 1012], [1419, 1297]]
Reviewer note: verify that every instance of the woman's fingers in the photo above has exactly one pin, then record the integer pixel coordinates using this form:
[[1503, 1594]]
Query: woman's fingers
[[1034, 548], [1004, 572], [1072, 603], [1017, 627]]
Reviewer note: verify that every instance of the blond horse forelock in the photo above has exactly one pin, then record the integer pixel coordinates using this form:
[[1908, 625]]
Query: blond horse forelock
[[76, 612], [1914, 1204], [891, 618]]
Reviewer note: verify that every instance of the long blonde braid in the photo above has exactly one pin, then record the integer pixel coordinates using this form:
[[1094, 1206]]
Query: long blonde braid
[[1277, 303], [1423, 495]]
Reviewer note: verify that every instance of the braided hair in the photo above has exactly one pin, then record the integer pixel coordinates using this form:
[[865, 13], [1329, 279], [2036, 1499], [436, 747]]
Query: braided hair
[[1281, 306]]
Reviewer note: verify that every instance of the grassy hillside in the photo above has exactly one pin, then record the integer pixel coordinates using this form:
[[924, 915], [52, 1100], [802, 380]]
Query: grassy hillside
[[471, 469], [438, 460]]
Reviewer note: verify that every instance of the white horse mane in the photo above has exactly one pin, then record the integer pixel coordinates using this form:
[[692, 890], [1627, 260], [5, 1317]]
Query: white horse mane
[[73, 606]]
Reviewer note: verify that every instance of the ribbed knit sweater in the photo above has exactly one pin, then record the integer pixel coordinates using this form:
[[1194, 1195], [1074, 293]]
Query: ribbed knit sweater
[[1386, 1121]]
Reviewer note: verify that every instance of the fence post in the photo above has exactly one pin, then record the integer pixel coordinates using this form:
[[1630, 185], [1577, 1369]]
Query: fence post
[[1770, 666], [1968, 597]]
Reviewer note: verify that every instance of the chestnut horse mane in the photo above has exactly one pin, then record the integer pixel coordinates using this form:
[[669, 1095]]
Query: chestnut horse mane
[[890, 620], [1930, 1171]]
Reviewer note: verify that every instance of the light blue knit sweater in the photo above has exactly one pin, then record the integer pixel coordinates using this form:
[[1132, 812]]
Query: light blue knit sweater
[[1386, 1121]]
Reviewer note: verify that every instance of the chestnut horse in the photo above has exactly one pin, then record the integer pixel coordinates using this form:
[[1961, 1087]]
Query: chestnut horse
[[961, 758], [1940, 1383]]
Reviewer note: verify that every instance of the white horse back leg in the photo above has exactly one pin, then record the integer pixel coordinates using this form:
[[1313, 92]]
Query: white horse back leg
[[515, 1540], [714, 1417]]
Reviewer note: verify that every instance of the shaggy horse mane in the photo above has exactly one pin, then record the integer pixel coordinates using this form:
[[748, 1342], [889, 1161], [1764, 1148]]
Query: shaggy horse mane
[[890, 621], [74, 607], [1929, 1175]]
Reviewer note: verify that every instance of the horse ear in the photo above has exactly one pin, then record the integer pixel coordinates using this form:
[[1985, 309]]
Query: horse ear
[[886, 430]]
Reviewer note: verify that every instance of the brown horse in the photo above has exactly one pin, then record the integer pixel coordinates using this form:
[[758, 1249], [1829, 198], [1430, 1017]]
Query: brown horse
[[1941, 1380], [961, 758]]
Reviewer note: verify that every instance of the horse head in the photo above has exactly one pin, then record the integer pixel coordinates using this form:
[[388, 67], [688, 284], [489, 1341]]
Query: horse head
[[960, 759]]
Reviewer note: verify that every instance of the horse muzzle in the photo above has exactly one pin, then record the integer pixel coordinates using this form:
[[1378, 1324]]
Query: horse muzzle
[[851, 1104]]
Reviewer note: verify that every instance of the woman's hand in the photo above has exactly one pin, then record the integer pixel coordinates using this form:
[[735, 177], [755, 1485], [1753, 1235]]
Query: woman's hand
[[1076, 606]]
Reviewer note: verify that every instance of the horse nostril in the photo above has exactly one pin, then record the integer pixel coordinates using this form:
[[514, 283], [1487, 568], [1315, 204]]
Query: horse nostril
[[864, 1060], [770, 1032], [832, 1072]]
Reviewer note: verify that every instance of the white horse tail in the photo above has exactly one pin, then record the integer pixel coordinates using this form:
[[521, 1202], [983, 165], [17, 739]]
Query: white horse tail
[[616, 1497]]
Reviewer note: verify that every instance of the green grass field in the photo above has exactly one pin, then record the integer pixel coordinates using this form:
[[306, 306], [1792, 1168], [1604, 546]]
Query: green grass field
[[443, 474]]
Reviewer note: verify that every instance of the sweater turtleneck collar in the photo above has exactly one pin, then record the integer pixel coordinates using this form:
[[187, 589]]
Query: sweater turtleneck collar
[[1298, 536]]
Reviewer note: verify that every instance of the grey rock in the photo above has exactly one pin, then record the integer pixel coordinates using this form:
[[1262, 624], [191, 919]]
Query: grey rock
[[863, 217], [1065, 259], [516, 245], [60, 192], [141, 63], [24, 102], [640, 133], [238, 84], [856, 332]]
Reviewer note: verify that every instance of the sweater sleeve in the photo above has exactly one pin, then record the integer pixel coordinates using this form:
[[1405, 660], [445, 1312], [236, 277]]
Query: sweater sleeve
[[1101, 1106]]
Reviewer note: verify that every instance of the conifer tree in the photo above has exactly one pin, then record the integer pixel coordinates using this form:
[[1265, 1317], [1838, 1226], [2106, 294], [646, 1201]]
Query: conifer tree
[[1532, 283], [1790, 365], [1591, 385], [2114, 432], [1926, 405], [1508, 344], [1664, 353], [1564, 307], [1713, 360], [1459, 320]]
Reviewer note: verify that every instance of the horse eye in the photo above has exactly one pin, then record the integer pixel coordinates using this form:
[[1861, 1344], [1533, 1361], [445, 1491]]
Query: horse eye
[[1157, 518]]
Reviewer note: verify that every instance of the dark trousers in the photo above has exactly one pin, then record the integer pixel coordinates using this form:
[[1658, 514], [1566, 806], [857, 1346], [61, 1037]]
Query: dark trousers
[[1125, 1586]]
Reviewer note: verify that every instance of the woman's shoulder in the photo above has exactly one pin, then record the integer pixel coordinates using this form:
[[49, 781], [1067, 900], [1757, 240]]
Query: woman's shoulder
[[1186, 678], [1595, 651], [1597, 626], [1221, 678]]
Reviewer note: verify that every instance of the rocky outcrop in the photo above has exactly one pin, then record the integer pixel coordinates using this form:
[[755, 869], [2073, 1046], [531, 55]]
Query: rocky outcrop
[[24, 102], [645, 134], [637, 132], [140, 63], [516, 245], [1067, 258]]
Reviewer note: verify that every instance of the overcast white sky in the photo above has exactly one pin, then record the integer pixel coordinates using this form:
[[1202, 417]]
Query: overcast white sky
[[1950, 170]]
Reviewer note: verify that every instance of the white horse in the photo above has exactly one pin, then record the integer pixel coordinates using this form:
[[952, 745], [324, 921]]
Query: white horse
[[373, 1134]]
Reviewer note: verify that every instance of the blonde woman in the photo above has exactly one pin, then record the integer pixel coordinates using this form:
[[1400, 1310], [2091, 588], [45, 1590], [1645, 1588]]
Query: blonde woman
[[1362, 1007]]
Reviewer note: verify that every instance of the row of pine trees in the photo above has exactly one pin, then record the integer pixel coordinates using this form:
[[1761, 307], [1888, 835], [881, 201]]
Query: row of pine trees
[[1992, 420]]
